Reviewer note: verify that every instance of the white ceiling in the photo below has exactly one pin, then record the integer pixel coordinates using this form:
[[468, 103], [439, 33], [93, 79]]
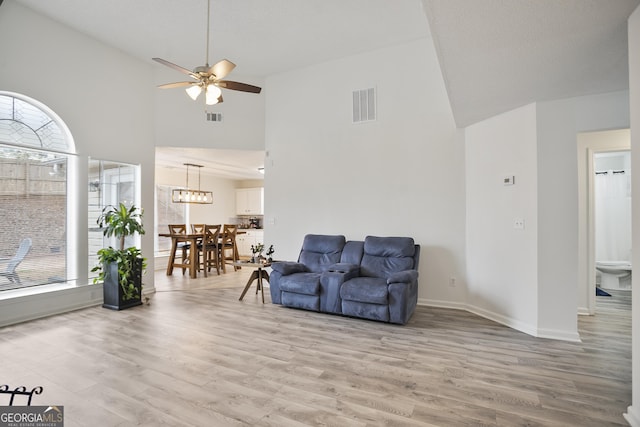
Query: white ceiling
[[261, 37], [495, 55], [229, 164]]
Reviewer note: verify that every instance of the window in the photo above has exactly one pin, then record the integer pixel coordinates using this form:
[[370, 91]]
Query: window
[[110, 183], [34, 148], [167, 213]]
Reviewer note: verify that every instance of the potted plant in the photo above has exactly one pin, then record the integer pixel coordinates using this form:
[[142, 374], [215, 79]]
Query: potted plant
[[257, 252], [121, 269]]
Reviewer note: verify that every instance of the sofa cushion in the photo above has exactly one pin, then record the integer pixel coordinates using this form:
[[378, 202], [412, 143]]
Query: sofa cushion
[[319, 252], [306, 302], [365, 289], [386, 255], [352, 252], [301, 283], [365, 310]]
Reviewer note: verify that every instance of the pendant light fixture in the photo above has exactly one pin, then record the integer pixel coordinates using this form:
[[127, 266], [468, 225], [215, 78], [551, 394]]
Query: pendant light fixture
[[187, 195]]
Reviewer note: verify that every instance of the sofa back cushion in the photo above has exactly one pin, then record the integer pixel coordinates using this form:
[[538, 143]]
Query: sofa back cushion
[[352, 252], [386, 255], [319, 252]]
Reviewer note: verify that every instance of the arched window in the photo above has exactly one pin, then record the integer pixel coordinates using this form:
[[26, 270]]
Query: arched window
[[34, 148]]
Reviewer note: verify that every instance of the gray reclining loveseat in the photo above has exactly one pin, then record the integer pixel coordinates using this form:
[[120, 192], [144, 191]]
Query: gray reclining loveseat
[[374, 279]]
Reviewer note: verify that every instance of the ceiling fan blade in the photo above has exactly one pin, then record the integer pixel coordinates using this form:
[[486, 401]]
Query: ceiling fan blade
[[220, 99], [176, 67], [222, 68], [243, 87], [177, 84]]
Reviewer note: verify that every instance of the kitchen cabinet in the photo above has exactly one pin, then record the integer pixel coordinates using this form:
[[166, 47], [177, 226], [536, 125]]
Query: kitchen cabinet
[[244, 241], [250, 201]]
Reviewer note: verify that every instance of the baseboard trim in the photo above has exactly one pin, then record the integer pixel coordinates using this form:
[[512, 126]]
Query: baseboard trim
[[442, 304], [504, 320], [632, 416], [583, 311], [555, 334], [36, 306]]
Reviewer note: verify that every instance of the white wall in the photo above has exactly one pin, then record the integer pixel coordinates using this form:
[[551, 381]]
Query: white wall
[[502, 261], [401, 175], [102, 95], [181, 122], [560, 291], [633, 412], [555, 195]]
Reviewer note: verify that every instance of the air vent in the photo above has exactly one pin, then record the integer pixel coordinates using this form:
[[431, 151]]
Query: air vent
[[214, 117], [364, 105]]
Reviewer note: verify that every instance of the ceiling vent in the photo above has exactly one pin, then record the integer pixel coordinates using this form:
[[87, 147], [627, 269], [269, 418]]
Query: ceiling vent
[[214, 117], [364, 105]]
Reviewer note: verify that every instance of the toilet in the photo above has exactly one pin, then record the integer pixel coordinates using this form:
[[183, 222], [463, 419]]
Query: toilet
[[614, 274]]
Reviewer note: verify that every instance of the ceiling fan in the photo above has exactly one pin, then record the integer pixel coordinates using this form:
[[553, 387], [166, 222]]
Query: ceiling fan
[[206, 78]]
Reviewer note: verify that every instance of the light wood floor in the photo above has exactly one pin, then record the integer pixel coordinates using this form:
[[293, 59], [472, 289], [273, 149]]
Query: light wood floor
[[196, 356]]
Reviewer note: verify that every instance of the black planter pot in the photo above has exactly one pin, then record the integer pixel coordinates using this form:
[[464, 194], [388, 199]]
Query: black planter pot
[[112, 291]]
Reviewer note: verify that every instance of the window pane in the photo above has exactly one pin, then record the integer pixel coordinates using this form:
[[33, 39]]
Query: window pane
[[167, 213], [110, 183], [25, 124], [33, 205]]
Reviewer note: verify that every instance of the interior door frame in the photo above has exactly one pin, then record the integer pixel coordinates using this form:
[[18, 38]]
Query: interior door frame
[[589, 144]]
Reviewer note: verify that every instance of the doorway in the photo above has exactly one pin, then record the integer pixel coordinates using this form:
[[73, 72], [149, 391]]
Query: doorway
[[589, 145]]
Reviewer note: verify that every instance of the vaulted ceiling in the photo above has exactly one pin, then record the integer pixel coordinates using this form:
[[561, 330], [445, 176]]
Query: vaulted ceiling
[[495, 55]]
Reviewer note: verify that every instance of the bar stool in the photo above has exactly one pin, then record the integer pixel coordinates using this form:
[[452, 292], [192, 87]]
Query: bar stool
[[199, 229], [210, 248], [228, 243], [183, 245]]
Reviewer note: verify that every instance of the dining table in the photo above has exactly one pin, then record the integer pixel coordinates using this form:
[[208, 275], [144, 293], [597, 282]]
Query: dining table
[[193, 239]]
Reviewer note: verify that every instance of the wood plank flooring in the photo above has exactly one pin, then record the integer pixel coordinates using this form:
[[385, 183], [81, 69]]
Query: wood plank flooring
[[196, 356]]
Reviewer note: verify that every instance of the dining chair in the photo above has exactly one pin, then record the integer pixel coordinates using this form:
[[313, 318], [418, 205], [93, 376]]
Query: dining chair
[[228, 243], [183, 245], [199, 229], [210, 248]]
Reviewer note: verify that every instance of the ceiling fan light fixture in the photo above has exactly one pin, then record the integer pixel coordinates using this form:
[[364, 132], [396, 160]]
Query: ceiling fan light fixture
[[213, 94], [194, 91], [208, 78]]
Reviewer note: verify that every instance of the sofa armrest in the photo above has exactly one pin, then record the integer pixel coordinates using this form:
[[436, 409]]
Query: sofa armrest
[[406, 276], [345, 268], [330, 283], [289, 267]]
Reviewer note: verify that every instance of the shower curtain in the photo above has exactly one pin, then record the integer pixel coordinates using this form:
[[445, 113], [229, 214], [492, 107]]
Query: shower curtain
[[613, 216]]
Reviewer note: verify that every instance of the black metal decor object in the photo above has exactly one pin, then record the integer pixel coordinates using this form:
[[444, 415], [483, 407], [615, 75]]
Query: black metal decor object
[[21, 391]]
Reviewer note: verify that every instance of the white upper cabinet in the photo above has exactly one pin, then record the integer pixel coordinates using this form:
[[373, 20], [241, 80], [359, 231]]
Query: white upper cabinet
[[250, 201]]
